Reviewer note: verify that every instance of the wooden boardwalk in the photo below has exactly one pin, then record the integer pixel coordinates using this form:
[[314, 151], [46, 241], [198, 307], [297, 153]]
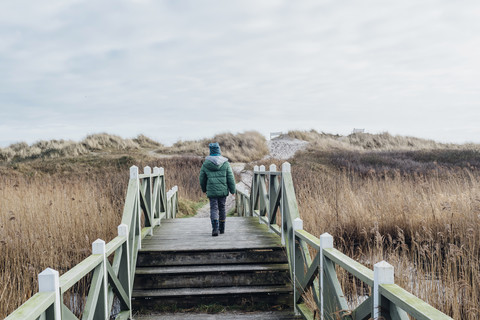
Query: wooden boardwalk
[[182, 265], [196, 234]]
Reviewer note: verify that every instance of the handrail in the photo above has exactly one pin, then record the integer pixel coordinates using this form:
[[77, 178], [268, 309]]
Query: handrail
[[146, 195], [272, 193]]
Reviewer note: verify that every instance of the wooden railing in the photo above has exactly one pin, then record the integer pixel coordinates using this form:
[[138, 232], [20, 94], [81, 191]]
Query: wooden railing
[[146, 197], [272, 198]]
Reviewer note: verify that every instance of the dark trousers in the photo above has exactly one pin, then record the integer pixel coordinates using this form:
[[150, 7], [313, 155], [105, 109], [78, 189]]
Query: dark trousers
[[217, 208]]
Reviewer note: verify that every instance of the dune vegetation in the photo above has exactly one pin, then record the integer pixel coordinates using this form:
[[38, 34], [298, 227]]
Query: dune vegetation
[[413, 202]]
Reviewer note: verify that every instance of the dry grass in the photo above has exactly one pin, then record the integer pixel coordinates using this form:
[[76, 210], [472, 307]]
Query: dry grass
[[47, 209], [242, 147], [366, 141], [425, 223], [101, 142]]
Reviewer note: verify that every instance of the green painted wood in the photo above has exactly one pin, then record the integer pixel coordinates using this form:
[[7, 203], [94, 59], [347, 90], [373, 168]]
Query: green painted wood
[[145, 232], [67, 314], [396, 313], [364, 310], [33, 307], [263, 220], [263, 196], [145, 206], [313, 241], [414, 306], [335, 293], [355, 268], [123, 315], [310, 275], [130, 205], [72, 276], [93, 294], [275, 200], [276, 229], [305, 312], [118, 287], [113, 245]]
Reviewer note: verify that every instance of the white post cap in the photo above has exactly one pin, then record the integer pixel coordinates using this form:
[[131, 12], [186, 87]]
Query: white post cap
[[298, 224], [156, 170], [383, 273], [133, 172], [286, 167], [147, 170], [273, 167], [262, 168], [326, 240], [255, 168], [161, 171], [175, 188], [123, 230], [98, 247], [48, 280]]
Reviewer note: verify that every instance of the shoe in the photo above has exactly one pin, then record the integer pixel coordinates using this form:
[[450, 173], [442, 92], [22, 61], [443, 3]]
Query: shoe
[[214, 228], [222, 226]]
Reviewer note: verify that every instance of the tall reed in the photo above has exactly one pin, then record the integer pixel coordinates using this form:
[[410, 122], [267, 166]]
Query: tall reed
[[50, 218], [427, 226]]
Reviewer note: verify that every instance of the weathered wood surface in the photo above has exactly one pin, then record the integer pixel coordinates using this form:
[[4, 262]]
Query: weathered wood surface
[[196, 234], [270, 315], [182, 265]]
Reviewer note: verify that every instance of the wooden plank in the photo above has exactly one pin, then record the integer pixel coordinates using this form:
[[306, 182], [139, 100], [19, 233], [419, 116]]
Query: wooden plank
[[113, 245], [129, 207], [276, 229], [93, 294], [123, 315], [414, 306], [364, 310], [353, 267], [310, 239], [67, 314], [72, 276], [305, 312], [310, 275], [117, 287], [33, 307], [396, 313], [336, 292]]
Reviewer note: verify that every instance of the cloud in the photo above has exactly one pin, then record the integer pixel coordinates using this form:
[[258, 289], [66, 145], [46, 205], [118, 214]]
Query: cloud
[[167, 68]]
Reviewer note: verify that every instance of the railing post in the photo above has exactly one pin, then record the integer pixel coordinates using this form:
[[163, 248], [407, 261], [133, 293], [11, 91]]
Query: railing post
[[271, 194], [253, 194], [134, 175], [123, 232], [49, 281], [175, 201], [297, 225], [286, 168], [148, 197], [261, 200], [326, 242], [156, 171], [98, 247], [383, 273]]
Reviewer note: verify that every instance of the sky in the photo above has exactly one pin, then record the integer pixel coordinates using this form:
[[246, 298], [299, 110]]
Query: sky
[[176, 70]]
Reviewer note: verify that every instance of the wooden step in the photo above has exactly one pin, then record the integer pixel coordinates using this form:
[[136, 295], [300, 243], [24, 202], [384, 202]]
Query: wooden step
[[231, 315], [211, 276], [158, 299], [265, 254]]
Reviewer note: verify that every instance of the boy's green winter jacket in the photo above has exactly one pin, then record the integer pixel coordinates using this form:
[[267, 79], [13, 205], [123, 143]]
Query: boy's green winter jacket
[[216, 177]]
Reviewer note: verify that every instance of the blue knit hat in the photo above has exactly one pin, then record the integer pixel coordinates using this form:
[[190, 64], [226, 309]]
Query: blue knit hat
[[214, 149]]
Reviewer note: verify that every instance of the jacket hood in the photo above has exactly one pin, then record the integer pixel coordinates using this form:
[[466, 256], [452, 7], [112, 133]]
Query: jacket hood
[[215, 161]]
